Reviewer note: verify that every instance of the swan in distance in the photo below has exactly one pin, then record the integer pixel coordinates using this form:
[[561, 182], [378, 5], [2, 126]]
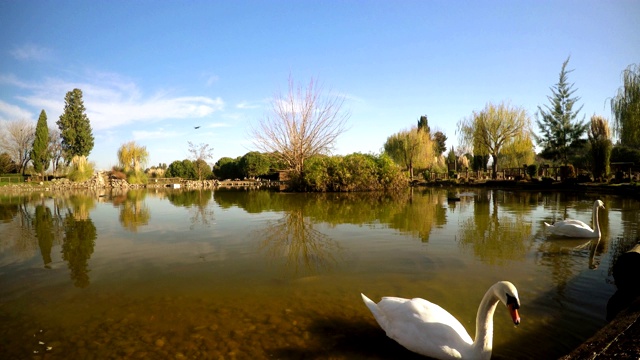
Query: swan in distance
[[577, 228], [427, 329]]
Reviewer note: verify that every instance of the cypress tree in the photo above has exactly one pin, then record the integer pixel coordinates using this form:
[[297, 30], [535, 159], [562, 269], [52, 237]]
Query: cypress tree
[[423, 124], [75, 128], [40, 149], [560, 131]]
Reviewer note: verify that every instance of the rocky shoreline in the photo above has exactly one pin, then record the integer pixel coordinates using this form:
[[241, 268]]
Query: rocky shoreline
[[101, 181], [627, 189]]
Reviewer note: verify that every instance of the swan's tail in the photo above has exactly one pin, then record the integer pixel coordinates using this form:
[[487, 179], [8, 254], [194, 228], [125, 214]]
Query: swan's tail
[[374, 309], [370, 304], [547, 225]]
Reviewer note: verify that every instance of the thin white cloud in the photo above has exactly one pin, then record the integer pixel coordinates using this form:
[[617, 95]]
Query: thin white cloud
[[350, 97], [247, 105], [112, 101], [154, 135], [212, 79], [28, 52], [216, 125], [9, 112]]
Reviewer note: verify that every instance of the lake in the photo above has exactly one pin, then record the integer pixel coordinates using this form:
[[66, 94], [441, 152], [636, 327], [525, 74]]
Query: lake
[[256, 274]]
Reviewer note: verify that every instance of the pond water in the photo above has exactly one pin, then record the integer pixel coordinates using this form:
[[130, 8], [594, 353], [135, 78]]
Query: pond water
[[252, 274]]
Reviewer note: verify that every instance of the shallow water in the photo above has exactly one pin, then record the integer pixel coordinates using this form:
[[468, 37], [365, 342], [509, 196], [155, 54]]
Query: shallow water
[[259, 274]]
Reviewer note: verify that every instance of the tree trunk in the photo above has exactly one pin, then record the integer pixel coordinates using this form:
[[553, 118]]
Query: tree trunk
[[494, 166]]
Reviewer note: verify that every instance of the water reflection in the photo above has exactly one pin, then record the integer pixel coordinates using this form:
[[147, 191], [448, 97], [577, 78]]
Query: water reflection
[[494, 237], [134, 212], [197, 202], [44, 232], [147, 283], [417, 215], [8, 212], [415, 212], [78, 245], [576, 248], [295, 238]]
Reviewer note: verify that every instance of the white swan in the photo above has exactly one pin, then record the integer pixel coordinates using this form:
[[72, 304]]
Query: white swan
[[576, 228], [428, 329]]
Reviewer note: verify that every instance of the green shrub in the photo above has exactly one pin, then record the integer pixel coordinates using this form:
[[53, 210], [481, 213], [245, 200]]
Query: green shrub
[[354, 172], [81, 170], [390, 176], [532, 170], [137, 177]]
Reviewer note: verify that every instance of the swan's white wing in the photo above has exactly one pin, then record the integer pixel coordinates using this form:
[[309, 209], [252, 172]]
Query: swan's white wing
[[572, 222], [424, 327], [571, 229]]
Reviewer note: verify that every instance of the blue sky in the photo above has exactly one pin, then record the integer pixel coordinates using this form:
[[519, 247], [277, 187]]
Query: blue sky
[[152, 70]]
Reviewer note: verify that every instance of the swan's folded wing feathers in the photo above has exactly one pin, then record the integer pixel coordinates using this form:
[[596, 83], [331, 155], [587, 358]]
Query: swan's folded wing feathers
[[571, 229], [423, 327], [433, 313], [574, 222]]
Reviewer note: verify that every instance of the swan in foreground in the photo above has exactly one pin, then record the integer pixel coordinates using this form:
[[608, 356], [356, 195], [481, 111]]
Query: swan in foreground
[[427, 329], [576, 228]]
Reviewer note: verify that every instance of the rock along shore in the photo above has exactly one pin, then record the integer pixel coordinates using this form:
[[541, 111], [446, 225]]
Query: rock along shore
[[101, 180]]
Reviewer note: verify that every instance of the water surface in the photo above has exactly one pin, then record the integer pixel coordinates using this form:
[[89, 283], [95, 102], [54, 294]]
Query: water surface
[[258, 274]]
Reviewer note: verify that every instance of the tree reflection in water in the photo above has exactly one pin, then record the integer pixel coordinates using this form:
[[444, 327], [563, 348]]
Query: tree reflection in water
[[496, 239], [294, 237], [197, 202], [416, 215], [44, 232], [77, 248], [134, 212]]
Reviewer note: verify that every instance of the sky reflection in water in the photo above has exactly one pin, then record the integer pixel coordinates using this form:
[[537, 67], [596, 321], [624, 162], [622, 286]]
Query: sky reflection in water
[[258, 274]]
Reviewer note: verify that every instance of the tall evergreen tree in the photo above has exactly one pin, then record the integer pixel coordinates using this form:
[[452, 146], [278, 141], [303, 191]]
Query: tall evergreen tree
[[40, 150], [75, 128], [440, 140], [560, 130], [423, 124]]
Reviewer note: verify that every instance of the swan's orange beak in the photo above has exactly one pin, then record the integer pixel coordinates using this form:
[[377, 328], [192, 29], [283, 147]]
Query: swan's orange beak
[[514, 314]]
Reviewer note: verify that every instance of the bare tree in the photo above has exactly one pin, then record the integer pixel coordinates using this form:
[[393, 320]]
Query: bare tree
[[200, 154], [302, 123], [55, 148], [17, 140]]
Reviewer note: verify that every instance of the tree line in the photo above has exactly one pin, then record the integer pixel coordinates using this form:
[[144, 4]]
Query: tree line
[[299, 133], [501, 135], [70, 142]]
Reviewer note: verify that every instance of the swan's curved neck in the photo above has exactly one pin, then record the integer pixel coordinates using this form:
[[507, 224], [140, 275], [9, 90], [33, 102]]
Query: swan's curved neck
[[483, 342], [596, 223]]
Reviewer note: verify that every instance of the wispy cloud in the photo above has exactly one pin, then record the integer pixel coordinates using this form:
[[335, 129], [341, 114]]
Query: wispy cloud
[[112, 101], [247, 105], [154, 135], [216, 125], [350, 97], [9, 112], [31, 52], [212, 79]]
